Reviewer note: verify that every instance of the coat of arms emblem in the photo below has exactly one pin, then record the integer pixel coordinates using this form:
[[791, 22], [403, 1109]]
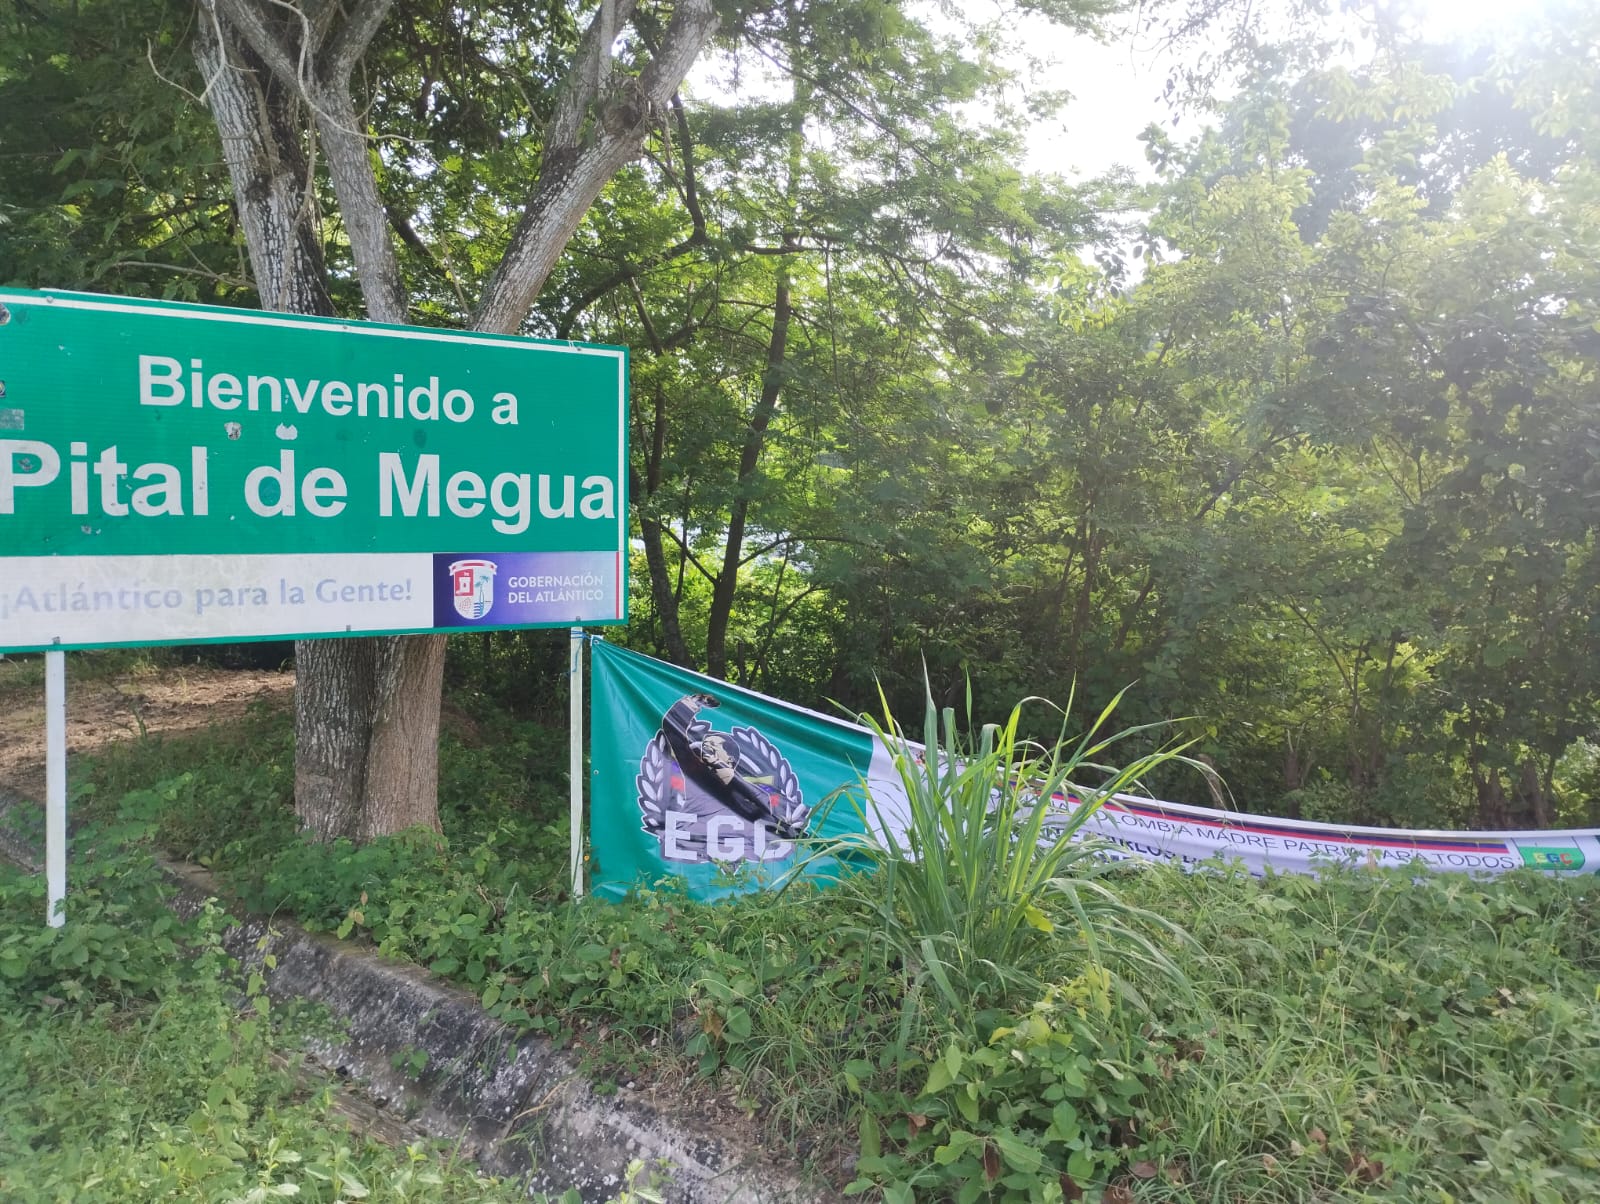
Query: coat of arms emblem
[[472, 587], [717, 796]]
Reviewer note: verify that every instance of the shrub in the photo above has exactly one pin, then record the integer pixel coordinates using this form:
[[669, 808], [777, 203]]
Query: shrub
[[90, 960], [986, 883], [135, 1065]]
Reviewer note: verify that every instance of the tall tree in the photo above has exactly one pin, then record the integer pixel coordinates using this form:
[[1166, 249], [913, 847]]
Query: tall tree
[[277, 78], [1422, 529], [800, 274]]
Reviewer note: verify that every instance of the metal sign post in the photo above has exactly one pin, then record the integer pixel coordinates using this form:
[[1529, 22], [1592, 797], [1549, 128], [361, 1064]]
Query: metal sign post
[[575, 758], [55, 805]]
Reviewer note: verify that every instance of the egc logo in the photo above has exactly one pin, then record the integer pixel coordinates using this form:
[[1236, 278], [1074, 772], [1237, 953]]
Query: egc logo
[[1552, 859], [717, 796]]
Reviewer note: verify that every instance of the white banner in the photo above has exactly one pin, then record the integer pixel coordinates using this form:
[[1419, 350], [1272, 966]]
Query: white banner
[[1189, 835], [653, 725]]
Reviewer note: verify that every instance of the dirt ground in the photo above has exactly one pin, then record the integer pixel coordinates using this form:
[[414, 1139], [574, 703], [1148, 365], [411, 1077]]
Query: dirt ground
[[103, 708]]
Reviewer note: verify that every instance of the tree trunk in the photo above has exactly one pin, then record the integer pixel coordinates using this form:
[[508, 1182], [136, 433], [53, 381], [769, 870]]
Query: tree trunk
[[367, 709], [727, 583], [662, 594], [1492, 805], [367, 735], [597, 129], [1533, 802], [334, 683], [258, 122], [726, 586], [1294, 775]]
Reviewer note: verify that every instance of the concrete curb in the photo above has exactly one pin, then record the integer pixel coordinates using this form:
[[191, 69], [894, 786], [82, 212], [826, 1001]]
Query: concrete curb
[[519, 1107]]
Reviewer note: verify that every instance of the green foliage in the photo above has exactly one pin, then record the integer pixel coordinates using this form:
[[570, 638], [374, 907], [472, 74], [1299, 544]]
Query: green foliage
[[128, 1070], [1360, 1035], [1323, 474], [207, 816], [798, 305], [504, 774], [113, 182], [493, 674], [502, 802], [1341, 1006], [976, 864], [89, 962], [1319, 471], [223, 798], [321, 883], [1378, 1034], [20, 672], [1030, 1115]]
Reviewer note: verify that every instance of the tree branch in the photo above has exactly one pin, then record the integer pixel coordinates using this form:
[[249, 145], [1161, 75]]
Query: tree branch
[[688, 553], [691, 190], [573, 172], [267, 167], [352, 40], [326, 89], [245, 17], [581, 88], [361, 205], [230, 281]]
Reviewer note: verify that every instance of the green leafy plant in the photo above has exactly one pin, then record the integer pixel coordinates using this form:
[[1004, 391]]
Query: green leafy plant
[[1027, 1115], [88, 962], [983, 877], [137, 1064], [1356, 1035]]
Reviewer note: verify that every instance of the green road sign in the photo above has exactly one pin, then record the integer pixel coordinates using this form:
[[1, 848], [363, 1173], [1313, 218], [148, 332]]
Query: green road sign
[[173, 473]]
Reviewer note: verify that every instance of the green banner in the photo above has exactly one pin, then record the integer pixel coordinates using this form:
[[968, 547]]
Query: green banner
[[713, 785], [717, 786]]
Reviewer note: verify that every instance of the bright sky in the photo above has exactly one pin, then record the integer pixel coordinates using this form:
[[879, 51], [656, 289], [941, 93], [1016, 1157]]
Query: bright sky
[[1117, 86], [1116, 93]]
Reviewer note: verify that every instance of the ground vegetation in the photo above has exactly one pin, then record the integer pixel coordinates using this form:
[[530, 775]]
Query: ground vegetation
[[1140, 1033]]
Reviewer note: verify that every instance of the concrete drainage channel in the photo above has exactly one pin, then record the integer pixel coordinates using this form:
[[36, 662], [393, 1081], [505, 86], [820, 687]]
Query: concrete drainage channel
[[518, 1106]]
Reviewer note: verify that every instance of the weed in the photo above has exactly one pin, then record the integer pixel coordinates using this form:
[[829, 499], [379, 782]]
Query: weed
[[981, 881], [1410, 1037], [1033, 1107], [127, 1072]]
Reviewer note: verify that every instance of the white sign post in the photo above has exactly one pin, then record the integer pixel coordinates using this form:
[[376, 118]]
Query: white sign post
[[55, 804], [575, 758]]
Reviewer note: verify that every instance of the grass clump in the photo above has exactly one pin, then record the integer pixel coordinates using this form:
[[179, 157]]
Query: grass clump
[[980, 879], [1379, 1034], [996, 904], [219, 796]]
